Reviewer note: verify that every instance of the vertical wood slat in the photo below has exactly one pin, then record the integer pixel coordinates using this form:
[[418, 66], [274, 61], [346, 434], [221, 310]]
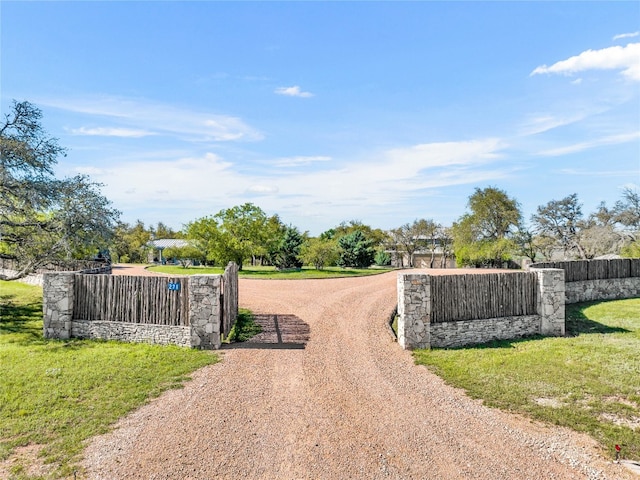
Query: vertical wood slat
[[472, 297], [131, 299]]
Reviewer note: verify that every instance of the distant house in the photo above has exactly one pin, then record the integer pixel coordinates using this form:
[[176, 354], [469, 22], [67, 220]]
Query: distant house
[[157, 246], [430, 253]]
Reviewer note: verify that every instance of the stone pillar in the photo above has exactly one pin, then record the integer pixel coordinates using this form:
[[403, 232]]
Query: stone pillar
[[551, 300], [204, 311], [414, 311], [57, 305]]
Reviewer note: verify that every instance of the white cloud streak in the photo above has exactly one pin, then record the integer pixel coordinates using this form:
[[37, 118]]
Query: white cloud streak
[[599, 142], [299, 161], [294, 91], [111, 132], [626, 59], [134, 115], [626, 35]]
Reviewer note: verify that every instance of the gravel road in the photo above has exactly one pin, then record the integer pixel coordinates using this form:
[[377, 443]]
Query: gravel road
[[325, 393]]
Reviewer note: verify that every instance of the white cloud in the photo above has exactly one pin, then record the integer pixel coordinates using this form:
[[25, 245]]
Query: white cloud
[[599, 142], [205, 184], [293, 92], [626, 59], [299, 161], [157, 119], [541, 123], [263, 189], [111, 132], [626, 35]]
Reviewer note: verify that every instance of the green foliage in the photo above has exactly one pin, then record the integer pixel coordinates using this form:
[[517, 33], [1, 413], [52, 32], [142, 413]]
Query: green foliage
[[236, 234], [60, 393], [482, 237], [130, 244], [244, 327], [43, 218], [355, 250], [288, 252], [587, 381], [185, 255], [631, 250], [382, 258], [319, 252]]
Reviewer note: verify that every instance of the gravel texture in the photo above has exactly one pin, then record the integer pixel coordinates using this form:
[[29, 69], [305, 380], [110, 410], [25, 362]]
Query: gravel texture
[[325, 393]]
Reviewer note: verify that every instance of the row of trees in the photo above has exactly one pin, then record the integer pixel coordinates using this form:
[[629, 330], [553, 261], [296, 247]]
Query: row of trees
[[43, 218], [493, 231]]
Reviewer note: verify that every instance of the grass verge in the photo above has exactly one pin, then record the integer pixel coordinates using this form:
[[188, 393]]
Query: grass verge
[[588, 381], [57, 394], [244, 328], [272, 273]]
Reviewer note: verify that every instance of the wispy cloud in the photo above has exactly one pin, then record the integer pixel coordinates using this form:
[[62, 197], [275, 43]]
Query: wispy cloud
[[155, 118], [294, 91], [626, 59], [384, 178], [302, 161], [540, 123], [626, 35], [599, 142], [111, 132]]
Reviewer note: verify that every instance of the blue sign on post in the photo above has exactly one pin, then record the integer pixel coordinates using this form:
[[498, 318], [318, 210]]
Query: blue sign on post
[[174, 286]]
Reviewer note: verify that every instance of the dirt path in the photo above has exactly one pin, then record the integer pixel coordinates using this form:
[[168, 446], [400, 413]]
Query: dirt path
[[325, 393]]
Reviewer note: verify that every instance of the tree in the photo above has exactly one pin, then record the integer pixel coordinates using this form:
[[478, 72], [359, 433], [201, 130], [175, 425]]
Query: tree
[[419, 235], [319, 252], [235, 234], [288, 252], [186, 255], [482, 237], [356, 250], [130, 244], [561, 220], [42, 218]]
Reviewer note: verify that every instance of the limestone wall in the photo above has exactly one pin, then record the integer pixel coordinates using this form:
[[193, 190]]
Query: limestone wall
[[132, 332], [204, 307], [416, 330], [610, 289]]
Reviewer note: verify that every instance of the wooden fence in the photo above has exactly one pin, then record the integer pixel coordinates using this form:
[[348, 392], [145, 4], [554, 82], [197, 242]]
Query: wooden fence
[[131, 299], [473, 297], [582, 270]]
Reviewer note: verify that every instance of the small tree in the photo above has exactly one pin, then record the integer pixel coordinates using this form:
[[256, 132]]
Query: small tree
[[382, 258], [288, 252], [356, 250], [319, 252]]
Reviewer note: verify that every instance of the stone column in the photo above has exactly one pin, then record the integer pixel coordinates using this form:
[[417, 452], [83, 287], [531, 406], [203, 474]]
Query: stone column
[[551, 300], [57, 305], [204, 311], [414, 311]]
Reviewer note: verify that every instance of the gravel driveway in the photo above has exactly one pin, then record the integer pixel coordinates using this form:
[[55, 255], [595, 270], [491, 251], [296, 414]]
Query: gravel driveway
[[325, 393]]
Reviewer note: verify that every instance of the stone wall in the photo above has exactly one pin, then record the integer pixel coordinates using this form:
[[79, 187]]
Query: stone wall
[[469, 332], [132, 332], [204, 314], [33, 279], [415, 329], [610, 289]]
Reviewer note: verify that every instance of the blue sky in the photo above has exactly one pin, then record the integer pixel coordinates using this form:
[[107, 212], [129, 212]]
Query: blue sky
[[324, 112]]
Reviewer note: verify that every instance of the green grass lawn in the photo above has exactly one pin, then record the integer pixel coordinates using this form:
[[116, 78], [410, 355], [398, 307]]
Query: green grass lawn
[[271, 272], [60, 393], [588, 381]]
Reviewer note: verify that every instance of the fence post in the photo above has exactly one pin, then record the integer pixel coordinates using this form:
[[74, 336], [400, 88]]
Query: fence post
[[57, 304], [551, 300], [414, 311], [204, 311]]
